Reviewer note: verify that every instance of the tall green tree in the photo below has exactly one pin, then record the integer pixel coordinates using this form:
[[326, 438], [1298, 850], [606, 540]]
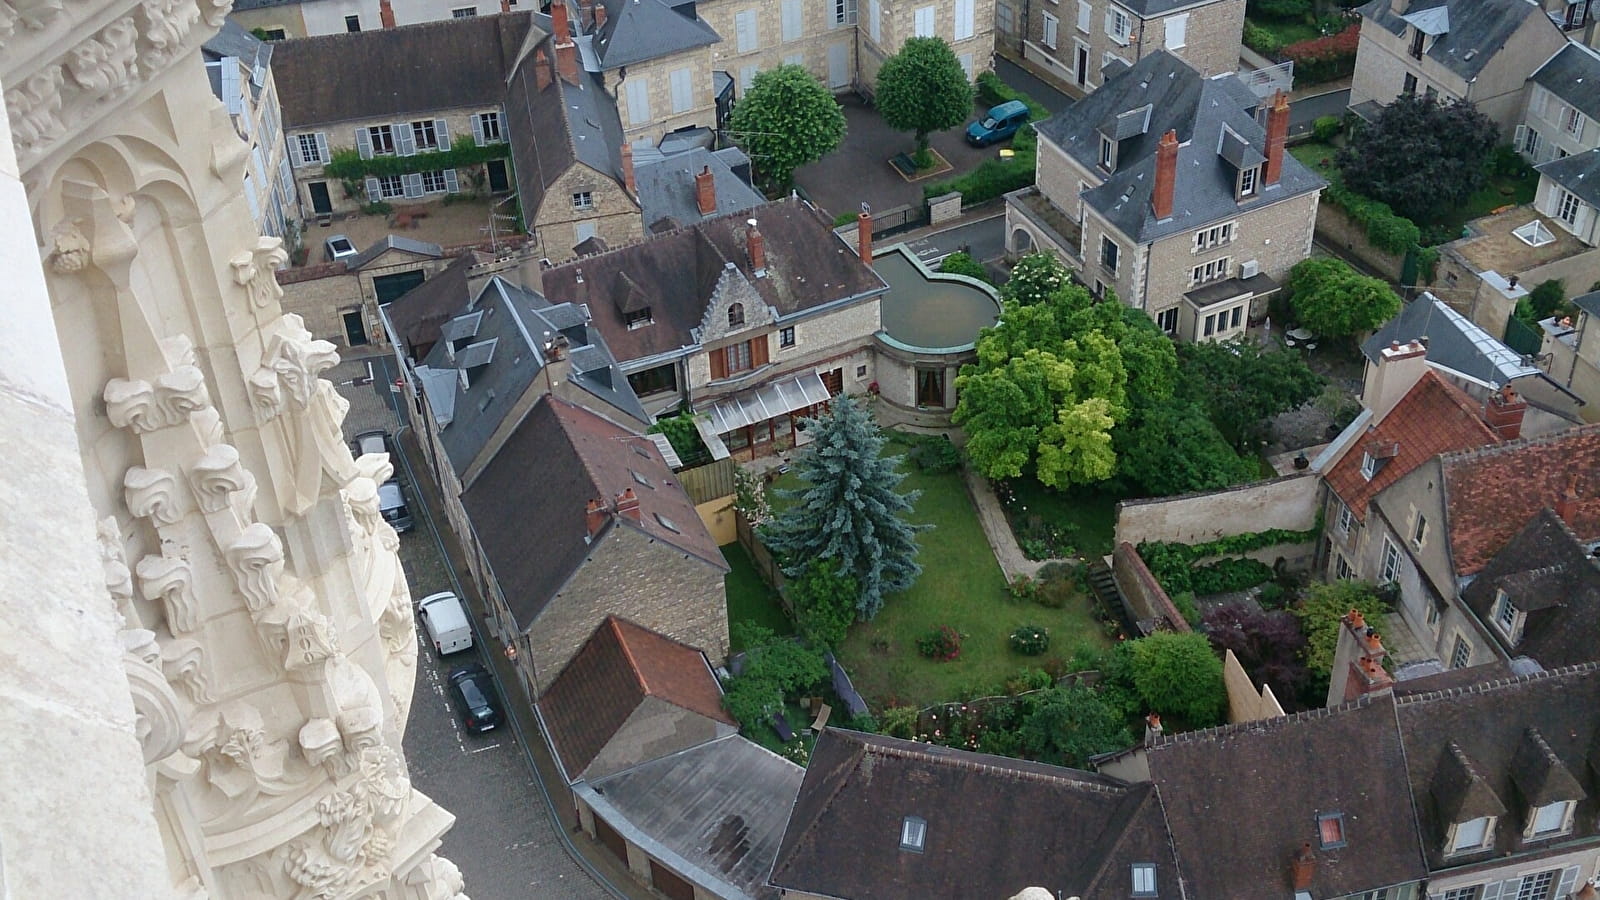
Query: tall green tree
[[1173, 448], [1421, 156], [1067, 726], [1334, 300], [1241, 387], [786, 119], [824, 601], [1174, 674], [1035, 278], [923, 89], [849, 513]]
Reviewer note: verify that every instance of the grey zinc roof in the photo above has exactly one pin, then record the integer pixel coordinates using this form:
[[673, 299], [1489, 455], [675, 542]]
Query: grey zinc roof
[[667, 185], [1454, 342], [1589, 303], [1573, 74], [639, 30], [394, 242], [1478, 28], [1147, 8], [1579, 174], [721, 807], [1197, 109], [233, 40]]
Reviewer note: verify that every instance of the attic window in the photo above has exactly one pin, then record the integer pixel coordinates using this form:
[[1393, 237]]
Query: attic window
[[1330, 830], [1144, 879], [641, 480], [735, 315], [1505, 615], [913, 831], [640, 450], [637, 319], [1473, 834], [668, 524], [1248, 179], [1552, 819], [1369, 466], [1108, 153]]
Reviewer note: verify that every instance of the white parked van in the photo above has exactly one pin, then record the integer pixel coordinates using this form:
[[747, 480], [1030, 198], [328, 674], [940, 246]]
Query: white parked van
[[445, 618]]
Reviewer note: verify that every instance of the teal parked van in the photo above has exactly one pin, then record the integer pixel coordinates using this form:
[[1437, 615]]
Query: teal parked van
[[998, 123]]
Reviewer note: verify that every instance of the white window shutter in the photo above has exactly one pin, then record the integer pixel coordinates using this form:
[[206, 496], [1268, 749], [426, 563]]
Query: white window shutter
[[1050, 35], [413, 184], [452, 182], [295, 158], [1085, 16], [231, 91], [682, 83], [1177, 31], [925, 21], [374, 190], [441, 130], [963, 28], [638, 91], [363, 143], [405, 140], [1508, 888], [1520, 137], [477, 130], [322, 147], [1569, 882], [875, 21], [793, 19]]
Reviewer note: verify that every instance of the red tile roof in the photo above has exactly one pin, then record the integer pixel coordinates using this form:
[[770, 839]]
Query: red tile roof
[[1492, 492], [618, 667], [1433, 417]]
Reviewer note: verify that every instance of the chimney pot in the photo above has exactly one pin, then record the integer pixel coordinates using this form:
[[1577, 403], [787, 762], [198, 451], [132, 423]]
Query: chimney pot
[[628, 504], [594, 517], [757, 246], [1567, 506], [1356, 619], [705, 191], [1277, 137], [864, 234], [386, 14], [1166, 175], [566, 50], [585, 15], [599, 17], [628, 179], [1503, 412], [541, 70]]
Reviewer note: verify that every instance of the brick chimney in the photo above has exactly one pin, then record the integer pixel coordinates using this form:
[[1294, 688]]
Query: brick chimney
[[1277, 136], [541, 70], [505, 7], [557, 364], [1303, 867], [864, 234], [566, 50], [585, 15], [1357, 662], [628, 505], [1503, 412], [629, 181], [385, 14], [757, 247], [599, 17], [1567, 506], [1397, 371], [1166, 175], [594, 517], [705, 191]]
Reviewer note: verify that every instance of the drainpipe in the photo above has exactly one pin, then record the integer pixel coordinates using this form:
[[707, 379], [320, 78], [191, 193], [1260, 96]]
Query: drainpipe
[[1027, 25]]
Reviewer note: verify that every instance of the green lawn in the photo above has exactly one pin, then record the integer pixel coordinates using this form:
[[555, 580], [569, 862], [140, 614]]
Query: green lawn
[[961, 585], [1288, 32], [749, 598], [1089, 515]]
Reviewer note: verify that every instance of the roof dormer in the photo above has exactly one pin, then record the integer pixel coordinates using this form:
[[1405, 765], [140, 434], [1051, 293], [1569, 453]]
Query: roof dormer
[[1118, 128], [1468, 808], [1548, 790]]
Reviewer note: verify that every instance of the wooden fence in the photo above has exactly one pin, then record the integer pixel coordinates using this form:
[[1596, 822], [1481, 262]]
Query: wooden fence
[[708, 482], [762, 558]]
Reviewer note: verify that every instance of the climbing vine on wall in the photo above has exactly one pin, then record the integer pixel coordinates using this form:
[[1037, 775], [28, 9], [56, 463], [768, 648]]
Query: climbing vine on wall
[[1173, 564], [347, 164]]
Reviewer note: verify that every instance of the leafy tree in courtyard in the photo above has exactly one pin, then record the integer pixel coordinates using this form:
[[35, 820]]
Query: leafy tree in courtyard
[[774, 668], [1068, 725], [824, 603], [1334, 300], [786, 119], [1270, 646], [1173, 674], [962, 263], [1036, 278], [923, 89], [1241, 387], [849, 513], [1319, 614], [1421, 156], [1172, 448]]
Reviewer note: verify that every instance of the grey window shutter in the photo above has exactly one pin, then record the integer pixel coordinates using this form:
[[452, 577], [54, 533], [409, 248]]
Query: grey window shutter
[[295, 158], [322, 147], [363, 143], [477, 130], [1569, 881], [441, 130], [374, 190], [451, 182], [413, 184], [405, 139]]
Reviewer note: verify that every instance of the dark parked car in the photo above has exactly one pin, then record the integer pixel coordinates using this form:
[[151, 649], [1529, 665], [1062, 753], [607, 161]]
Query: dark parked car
[[999, 123], [472, 691]]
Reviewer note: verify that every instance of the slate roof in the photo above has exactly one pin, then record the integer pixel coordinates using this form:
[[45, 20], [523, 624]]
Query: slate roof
[[807, 267], [1579, 174], [393, 242], [667, 184], [233, 40], [639, 30], [1589, 303], [1454, 342], [519, 319], [721, 807], [1468, 750], [994, 825], [1491, 492], [1478, 28], [405, 71], [1241, 800], [1197, 109], [1573, 74], [616, 669], [416, 316], [1546, 573], [580, 457], [1433, 417]]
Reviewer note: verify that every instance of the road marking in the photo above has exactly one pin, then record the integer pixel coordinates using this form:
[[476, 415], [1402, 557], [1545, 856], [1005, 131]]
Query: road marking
[[481, 749]]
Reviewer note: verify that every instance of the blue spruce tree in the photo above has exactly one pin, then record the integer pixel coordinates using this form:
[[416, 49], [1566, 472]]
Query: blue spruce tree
[[849, 512]]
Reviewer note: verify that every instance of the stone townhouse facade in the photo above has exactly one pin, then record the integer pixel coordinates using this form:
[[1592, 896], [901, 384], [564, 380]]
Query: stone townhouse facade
[[1075, 40], [1561, 111], [239, 66], [1128, 195], [280, 20], [1480, 51]]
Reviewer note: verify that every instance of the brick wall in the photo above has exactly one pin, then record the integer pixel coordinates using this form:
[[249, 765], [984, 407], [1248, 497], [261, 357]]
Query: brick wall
[[630, 574], [1141, 590]]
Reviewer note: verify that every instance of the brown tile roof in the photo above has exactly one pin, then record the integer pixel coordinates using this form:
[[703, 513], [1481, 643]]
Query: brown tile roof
[[620, 665], [1546, 573], [1433, 417], [1491, 492], [402, 72], [807, 266], [1241, 800], [528, 504], [993, 825]]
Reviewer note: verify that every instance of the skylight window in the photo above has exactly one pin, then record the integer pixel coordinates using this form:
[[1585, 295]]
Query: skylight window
[[668, 524], [1534, 234], [913, 832], [1330, 830], [1144, 879], [640, 479]]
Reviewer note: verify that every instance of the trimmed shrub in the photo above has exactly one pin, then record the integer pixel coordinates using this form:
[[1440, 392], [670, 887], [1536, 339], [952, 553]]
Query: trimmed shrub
[[1261, 40], [935, 455], [1030, 640], [942, 644], [1326, 128], [962, 263]]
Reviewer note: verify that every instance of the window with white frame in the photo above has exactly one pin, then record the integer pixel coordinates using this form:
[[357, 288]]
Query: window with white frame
[[1505, 614], [435, 182], [1462, 893], [913, 833], [1215, 236], [1369, 466], [463, 12], [390, 186], [583, 200], [1167, 320], [1052, 27], [1460, 657], [1341, 567], [1572, 121], [1567, 206], [1390, 570], [1433, 617], [1110, 254], [924, 21], [1472, 834], [1108, 153], [1144, 879], [786, 336], [381, 138], [1419, 533], [1379, 894], [1551, 819], [1215, 270], [1119, 25], [1248, 179], [313, 148], [1177, 31], [1347, 519], [844, 12], [486, 128], [1085, 16], [1530, 141], [1535, 887], [425, 134]]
